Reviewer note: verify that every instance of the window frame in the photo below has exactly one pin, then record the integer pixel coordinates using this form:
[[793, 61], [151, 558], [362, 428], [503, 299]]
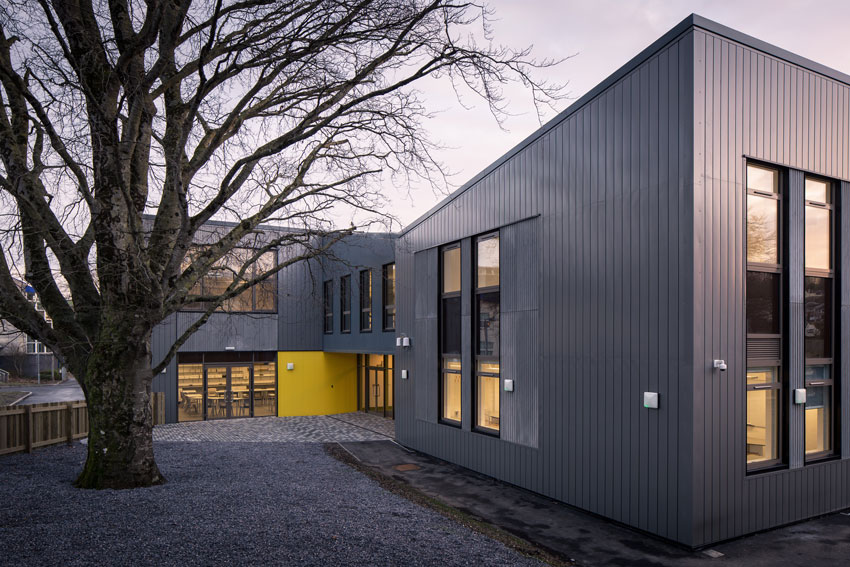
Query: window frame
[[779, 365], [328, 306], [387, 308], [443, 356], [345, 310], [477, 293], [365, 311]]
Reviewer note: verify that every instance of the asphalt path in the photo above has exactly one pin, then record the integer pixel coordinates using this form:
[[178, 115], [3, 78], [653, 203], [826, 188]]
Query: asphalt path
[[68, 391]]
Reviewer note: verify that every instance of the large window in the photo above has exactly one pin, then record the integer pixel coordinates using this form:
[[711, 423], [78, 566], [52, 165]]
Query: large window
[[345, 304], [327, 305], [258, 298], [366, 301], [388, 279], [450, 334], [764, 292], [818, 332], [487, 301]]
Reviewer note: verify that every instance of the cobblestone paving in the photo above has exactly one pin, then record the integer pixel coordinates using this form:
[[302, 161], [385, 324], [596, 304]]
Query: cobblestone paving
[[308, 429]]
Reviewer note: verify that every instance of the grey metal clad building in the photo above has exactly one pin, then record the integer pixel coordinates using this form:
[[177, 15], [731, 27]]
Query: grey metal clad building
[[689, 209]]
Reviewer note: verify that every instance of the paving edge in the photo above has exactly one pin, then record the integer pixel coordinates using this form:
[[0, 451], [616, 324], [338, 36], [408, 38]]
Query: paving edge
[[22, 398], [522, 546]]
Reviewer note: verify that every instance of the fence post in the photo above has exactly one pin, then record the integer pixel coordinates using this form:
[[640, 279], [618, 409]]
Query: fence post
[[70, 422], [28, 420]]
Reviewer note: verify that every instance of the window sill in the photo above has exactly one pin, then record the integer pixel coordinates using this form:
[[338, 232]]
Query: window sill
[[449, 422]]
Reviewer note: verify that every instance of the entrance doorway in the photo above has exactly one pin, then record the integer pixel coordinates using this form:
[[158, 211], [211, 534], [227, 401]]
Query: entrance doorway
[[375, 384], [228, 392]]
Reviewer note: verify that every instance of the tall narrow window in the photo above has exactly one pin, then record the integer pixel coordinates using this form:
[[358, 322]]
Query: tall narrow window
[[389, 297], [366, 301], [764, 315], [327, 302], [818, 333], [345, 304], [450, 335], [487, 302]]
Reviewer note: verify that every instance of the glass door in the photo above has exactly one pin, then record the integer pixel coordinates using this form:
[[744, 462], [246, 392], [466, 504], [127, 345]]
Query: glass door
[[228, 391], [374, 390]]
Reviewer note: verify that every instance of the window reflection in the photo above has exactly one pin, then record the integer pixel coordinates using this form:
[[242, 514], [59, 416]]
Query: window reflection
[[762, 230], [225, 271], [818, 308]]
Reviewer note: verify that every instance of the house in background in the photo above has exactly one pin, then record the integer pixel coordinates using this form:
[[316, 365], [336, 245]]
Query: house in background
[[22, 355]]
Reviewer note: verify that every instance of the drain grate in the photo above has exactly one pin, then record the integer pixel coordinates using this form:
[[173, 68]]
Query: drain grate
[[407, 467]]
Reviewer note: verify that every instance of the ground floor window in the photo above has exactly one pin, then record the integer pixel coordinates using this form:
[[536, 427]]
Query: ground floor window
[[375, 384], [451, 410], [763, 416], [226, 385]]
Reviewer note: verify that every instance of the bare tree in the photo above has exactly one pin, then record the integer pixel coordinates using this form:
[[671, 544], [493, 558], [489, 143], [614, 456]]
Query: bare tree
[[256, 111]]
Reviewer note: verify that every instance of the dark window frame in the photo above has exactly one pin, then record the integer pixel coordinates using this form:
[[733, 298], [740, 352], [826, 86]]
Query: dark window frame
[[388, 309], [478, 293], [445, 356], [365, 311], [345, 304], [328, 306], [779, 365]]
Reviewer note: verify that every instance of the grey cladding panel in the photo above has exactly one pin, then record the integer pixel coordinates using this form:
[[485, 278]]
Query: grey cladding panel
[[426, 284], [243, 332], [520, 265], [520, 415]]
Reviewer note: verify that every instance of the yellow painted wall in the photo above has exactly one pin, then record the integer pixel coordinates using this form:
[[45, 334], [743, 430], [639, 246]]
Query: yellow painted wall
[[321, 383]]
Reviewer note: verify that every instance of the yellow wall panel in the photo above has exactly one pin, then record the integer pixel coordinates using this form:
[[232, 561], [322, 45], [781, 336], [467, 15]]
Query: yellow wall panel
[[320, 383]]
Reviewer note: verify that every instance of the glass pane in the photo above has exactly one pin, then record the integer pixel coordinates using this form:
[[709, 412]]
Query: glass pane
[[389, 284], [190, 385], [366, 289], [265, 402], [818, 317], [488, 367], [451, 364], [488, 262], [761, 375], [265, 290], [762, 303], [451, 325], [762, 425], [376, 360], [239, 398], [762, 230], [488, 324], [451, 270], [216, 392], [451, 396], [818, 419], [818, 245], [488, 402], [818, 191], [818, 373], [374, 390], [762, 178], [389, 393]]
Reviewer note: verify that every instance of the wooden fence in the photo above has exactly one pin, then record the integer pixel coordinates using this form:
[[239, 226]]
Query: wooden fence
[[24, 428]]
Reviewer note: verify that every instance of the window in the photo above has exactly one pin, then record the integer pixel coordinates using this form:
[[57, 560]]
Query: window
[[450, 334], [818, 335], [36, 347], [388, 279], [345, 304], [258, 298], [487, 303], [327, 303], [366, 301], [764, 315]]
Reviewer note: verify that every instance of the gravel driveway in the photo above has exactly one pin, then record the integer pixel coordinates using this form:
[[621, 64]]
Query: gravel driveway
[[225, 503]]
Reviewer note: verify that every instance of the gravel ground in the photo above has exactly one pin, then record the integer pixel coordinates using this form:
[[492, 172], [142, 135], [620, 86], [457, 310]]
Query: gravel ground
[[225, 503]]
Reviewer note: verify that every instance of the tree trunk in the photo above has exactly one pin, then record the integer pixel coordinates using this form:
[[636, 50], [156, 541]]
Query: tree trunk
[[117, 384]]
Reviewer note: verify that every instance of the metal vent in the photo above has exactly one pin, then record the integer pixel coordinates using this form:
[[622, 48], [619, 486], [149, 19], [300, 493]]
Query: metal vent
[[763, 349]]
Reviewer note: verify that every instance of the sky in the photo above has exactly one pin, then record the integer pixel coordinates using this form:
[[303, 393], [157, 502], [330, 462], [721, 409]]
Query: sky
[[599, 36]]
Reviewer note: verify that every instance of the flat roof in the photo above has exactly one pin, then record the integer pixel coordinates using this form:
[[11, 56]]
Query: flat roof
[[691, 22]]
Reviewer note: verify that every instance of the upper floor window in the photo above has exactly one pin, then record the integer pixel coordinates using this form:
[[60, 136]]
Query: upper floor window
[[327, 304], [388, 279], [487, 307], [345, 304], [450, 334], [225, 273], [366, 301]]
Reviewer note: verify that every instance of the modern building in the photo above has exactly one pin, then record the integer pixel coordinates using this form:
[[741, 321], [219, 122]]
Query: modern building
[[642, 310]]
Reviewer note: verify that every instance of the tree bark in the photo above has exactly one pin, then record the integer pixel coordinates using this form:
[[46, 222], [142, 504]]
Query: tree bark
[[117, 383]]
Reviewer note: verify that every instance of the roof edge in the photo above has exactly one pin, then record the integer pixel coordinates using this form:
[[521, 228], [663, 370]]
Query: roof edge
[[689, 23]]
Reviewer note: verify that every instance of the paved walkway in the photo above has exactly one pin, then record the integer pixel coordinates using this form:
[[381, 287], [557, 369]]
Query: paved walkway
[[68, 391], [307, 429]]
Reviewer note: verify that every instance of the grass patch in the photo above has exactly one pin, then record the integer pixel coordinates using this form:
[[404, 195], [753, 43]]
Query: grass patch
[[8, 397], [406, 491]]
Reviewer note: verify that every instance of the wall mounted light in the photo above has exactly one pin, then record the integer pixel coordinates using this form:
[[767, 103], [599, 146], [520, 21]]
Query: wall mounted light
[[405, 342], [290, 366], [230, 348]]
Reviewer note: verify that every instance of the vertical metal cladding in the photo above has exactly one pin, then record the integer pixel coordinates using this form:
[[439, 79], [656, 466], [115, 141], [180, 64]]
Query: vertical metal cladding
[[163, 337], [596, 302], [299, 301], [750, 104]]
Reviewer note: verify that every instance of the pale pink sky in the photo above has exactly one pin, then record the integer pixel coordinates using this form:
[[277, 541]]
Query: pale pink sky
[[605, 34]]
